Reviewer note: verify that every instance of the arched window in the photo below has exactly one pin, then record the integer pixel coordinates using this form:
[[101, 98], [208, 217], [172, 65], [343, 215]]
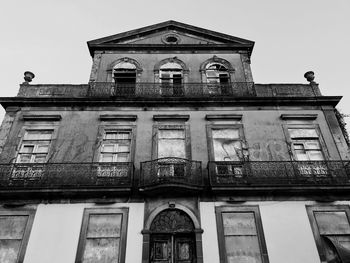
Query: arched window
[[171, 79], [124, 75], [218, 78]]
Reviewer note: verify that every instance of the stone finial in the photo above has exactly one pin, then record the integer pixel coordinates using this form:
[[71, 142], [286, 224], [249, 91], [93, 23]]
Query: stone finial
[[310, 76], [28, 77]]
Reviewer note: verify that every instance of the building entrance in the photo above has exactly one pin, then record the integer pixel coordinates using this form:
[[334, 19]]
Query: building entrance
[[172, 248], [172, 238]]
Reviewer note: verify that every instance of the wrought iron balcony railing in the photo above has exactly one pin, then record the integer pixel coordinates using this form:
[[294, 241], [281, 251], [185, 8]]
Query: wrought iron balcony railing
[[186, 90], [170, 172], [259, 173], [65, 175]]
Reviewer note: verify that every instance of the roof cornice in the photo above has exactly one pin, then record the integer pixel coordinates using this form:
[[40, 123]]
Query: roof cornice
[[190, 102]]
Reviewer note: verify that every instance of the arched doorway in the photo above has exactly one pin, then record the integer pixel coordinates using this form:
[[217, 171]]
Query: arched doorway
[[172, 238]]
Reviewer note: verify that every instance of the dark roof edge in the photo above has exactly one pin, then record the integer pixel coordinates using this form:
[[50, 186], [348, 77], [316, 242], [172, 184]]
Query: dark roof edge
[[249, 101]]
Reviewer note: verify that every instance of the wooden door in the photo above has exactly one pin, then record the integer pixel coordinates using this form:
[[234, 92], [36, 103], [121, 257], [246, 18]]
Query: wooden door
[[172, 248]]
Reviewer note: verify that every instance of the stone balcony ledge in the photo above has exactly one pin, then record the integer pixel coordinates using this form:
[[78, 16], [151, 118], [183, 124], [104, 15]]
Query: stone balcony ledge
[[151, 90]]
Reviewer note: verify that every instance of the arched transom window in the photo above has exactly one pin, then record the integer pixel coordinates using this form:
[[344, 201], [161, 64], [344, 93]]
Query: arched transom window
[[217, 73], [218, 77], [171, 73], [170, 77], [124, 72]]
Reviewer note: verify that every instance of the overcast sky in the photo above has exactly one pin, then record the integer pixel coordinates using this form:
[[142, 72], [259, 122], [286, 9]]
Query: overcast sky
[[291, 37]]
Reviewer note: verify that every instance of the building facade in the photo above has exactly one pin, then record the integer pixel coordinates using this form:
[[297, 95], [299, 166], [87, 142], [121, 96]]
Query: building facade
[[171, 153]]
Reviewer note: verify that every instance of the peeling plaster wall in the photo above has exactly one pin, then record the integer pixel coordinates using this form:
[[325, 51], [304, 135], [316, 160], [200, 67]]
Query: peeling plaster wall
[[77, 132]]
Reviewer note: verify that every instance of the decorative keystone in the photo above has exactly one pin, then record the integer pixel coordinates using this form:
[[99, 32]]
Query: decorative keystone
[[28, 77], [310, 76]]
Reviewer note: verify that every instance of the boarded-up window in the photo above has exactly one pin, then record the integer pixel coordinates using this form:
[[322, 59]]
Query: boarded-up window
[[226, 144], [103, 236], [240, 235], [331, 230], [14, 233], [171, 143], [35, 146], [116, 146], [306, 145]]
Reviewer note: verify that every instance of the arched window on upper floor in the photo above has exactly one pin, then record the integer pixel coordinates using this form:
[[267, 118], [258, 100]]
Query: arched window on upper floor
[[219, 74], [124, 75], [218, 78], [171, 73]]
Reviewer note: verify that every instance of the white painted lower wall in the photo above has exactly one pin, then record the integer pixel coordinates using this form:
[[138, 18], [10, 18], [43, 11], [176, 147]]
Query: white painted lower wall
[[289, 239], [56, 229], [286, 226]]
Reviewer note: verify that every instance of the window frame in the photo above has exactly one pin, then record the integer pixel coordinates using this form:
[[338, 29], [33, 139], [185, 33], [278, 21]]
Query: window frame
[[310, 209], [28, 228], [101, 135], [35, 152], [34, 126], [124, 211], [258, 224], [211, 127], [155, 136], [316, 127]]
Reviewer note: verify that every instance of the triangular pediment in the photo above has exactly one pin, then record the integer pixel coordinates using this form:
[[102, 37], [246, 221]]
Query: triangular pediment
[[170, 33]]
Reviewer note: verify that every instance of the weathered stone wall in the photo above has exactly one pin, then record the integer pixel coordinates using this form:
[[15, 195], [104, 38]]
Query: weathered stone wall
[[77, 137]]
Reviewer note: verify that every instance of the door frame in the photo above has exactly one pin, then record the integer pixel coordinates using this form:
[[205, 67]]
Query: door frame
[[147, 233]]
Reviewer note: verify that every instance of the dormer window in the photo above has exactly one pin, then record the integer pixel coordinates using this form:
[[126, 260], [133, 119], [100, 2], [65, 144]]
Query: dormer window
[[124, 74], [219, 79], [170, 78]]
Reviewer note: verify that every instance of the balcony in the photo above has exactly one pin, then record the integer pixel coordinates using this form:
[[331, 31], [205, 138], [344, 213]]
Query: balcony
[[65, 179], [171, 175], [162, 90], [274, 175]]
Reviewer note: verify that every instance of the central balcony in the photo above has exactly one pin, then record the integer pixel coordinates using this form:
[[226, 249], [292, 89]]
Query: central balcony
[[275, 175], [186, 90], [172, 174], [65, 179]]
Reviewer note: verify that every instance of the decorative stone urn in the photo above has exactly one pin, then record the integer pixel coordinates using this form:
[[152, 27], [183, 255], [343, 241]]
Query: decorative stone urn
[[310, 76], [28, 76]]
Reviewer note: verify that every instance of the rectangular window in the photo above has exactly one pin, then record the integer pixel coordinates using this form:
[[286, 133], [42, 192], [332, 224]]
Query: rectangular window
[[103, 236], [15, 228], [306, 144], [35, 146], [171, 141], [116, 146], [226, 149], [331, 229], [240, 234]]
